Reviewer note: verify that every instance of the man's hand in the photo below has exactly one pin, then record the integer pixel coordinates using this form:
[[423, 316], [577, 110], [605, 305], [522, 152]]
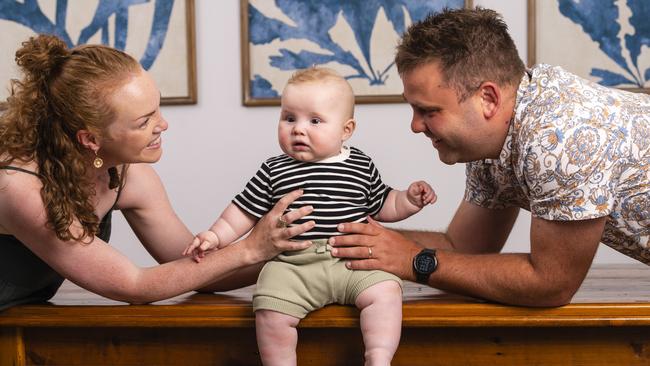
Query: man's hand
[[372, 246]]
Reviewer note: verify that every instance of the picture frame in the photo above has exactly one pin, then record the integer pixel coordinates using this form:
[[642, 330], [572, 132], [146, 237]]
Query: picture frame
[[604, 43], [158, 33], [279, 37]]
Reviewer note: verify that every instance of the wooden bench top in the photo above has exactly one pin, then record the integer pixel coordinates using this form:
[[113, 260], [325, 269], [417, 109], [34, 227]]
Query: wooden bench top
[[612, 295]]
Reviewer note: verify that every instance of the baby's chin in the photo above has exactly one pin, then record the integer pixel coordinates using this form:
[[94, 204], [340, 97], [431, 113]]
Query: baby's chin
[[302, 157]]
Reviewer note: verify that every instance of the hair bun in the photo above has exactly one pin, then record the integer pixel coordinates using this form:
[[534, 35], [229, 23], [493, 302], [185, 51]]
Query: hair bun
[[41, 56]]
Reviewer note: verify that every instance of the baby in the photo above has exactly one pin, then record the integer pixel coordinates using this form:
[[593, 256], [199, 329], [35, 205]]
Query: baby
[[343, 185]]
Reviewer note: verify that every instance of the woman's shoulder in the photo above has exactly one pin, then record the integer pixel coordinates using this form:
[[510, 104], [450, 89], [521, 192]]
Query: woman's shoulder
[[140, 182], [20, 194], [21, 176], [18, 165]]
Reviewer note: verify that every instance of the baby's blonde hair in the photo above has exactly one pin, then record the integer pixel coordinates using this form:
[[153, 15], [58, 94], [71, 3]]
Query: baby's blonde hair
[[316, 73]]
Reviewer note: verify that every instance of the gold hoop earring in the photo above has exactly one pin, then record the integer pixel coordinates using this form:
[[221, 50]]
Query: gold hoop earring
[[98, 162]]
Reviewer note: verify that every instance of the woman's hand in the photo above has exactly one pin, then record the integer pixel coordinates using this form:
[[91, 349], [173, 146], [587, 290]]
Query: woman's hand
[[372, 246], [271, 234]]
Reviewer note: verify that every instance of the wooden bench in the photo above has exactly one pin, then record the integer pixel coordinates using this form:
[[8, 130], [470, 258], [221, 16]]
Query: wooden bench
[[608, 323]]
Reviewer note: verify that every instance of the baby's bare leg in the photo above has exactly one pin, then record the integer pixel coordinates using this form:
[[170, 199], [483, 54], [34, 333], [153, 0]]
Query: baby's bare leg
[[381, 321], [277, 337]]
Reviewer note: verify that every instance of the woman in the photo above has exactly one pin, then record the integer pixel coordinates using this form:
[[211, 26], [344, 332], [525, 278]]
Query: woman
[[75, 141]]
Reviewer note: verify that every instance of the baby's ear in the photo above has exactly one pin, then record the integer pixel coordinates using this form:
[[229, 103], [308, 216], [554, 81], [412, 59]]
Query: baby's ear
[[348, 128]]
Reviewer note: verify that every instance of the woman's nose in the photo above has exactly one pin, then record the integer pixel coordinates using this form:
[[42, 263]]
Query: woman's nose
[[162, 125]]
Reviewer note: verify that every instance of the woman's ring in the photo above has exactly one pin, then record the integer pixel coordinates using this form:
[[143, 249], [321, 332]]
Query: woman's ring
[[282, 223], [369, 252]]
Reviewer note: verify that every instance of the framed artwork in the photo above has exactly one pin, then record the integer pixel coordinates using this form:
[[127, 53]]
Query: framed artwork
[[357, 38], [606, 41], [158, 33]]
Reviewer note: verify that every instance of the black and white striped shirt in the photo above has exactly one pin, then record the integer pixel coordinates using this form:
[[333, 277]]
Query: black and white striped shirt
[[346, 191]]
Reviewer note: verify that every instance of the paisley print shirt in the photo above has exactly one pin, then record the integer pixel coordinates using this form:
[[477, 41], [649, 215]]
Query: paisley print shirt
[[575, 150]]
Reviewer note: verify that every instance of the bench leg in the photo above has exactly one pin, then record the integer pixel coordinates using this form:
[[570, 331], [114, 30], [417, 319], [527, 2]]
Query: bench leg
[[12, 347]]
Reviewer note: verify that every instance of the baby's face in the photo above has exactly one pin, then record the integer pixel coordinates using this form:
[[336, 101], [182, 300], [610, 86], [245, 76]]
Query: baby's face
[[315, 120]]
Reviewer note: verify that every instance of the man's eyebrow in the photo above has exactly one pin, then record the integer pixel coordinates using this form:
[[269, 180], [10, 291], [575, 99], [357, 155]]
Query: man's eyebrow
[[423, 107]]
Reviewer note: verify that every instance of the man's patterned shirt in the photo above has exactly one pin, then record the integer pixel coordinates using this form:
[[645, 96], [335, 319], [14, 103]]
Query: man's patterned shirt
[[575, 150]]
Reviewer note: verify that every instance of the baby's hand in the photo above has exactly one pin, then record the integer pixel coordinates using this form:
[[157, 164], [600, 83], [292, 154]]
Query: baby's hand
[[202, 243], [421, 194]]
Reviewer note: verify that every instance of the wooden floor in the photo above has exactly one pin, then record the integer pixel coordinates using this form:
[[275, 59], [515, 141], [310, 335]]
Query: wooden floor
[[607, 323]]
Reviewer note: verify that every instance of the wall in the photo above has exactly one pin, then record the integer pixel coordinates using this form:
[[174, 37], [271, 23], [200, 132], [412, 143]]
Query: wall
[[212, 148]]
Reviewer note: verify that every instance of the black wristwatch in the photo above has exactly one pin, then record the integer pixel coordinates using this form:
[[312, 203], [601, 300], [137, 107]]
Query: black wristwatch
[[424, 264]]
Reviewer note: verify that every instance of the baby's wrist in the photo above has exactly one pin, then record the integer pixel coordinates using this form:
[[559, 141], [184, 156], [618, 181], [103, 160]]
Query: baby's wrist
[[413, 200]]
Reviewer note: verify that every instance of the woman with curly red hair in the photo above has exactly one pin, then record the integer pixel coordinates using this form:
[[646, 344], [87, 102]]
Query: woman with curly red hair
[[76, 140]]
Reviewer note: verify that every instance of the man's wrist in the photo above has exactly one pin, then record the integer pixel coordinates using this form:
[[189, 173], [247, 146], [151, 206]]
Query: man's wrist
[[425, 262]]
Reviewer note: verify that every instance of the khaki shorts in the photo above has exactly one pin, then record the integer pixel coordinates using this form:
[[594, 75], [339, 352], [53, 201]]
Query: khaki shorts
[[296, 283]]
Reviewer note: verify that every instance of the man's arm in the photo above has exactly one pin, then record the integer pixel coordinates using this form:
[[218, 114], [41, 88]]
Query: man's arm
[[487, 236], [561, 253]]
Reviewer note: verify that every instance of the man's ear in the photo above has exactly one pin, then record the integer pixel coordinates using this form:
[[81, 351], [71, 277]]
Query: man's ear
[[490, 95], [348, 128], [88, 140]]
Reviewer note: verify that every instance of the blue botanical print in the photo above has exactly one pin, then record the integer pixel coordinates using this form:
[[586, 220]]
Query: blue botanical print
[[313, 21], [29, 14], [600, 20]]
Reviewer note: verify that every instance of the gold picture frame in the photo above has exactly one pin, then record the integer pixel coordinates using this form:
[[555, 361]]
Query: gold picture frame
[[574, 35], [278, 43], [159, 33]]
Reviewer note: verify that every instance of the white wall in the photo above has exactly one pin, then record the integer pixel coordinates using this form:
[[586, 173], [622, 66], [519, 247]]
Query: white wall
[[213, 147]]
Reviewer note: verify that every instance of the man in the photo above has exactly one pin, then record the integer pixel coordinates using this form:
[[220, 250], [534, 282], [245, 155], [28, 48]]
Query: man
[[575, 154]]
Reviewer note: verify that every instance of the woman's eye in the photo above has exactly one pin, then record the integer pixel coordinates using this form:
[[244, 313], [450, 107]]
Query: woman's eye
[[144, 124]]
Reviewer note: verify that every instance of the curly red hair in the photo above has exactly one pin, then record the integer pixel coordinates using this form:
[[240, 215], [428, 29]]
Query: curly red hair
[[62, 91]]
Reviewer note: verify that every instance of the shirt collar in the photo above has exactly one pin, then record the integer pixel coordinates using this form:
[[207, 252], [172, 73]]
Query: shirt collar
[[522, 100]]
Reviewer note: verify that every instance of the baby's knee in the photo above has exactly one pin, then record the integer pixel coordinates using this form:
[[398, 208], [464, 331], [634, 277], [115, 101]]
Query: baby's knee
[[385, 292], [273, 319]]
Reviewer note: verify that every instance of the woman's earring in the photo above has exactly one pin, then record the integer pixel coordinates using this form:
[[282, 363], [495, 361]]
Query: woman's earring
[[98, 162]]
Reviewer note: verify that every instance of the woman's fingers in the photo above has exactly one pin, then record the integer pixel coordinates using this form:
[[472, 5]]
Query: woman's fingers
[[296, 245], [296, 214], [295, 230], [284, 203]]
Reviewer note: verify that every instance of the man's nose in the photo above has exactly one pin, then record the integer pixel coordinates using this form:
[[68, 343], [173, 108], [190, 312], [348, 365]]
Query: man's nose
[[417, 124]]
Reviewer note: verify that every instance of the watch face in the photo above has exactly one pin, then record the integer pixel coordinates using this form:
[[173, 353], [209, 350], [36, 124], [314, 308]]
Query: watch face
[[425, 263]]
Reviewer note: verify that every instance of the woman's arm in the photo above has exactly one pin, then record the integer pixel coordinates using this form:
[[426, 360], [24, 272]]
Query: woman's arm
[[146, 207], [101, 269]]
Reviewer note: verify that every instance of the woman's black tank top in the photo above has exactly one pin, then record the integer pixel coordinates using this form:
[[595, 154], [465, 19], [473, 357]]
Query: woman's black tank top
[[24, 277]]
